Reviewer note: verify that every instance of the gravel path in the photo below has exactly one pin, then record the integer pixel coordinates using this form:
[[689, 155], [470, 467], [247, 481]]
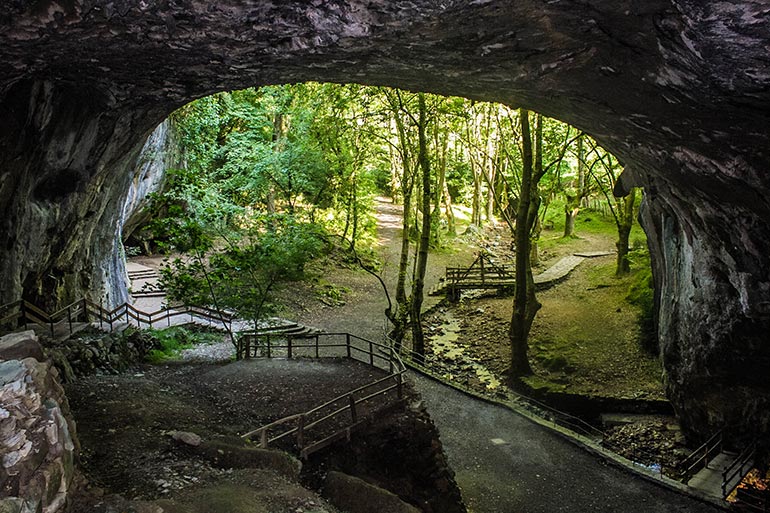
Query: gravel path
[[505, 463]]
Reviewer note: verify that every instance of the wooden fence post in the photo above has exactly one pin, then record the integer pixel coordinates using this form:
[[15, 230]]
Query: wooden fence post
[[301, 432], [269, 352], [371, 354], [23, 311], [316, 346], [347, 343], [289, 339], [263, 439], [353, 412], [69, 319]]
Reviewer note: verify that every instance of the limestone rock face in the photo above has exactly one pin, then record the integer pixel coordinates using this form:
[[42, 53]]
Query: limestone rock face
[[160, 153], [37, 443], [678, 89]]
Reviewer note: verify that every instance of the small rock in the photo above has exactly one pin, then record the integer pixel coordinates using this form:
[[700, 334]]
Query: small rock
[[186, 437]]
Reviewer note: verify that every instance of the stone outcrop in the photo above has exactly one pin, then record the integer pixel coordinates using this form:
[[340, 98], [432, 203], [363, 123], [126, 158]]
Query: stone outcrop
[[355, 495], [678, 89], [400, 453], [37, 437], [160, 153]]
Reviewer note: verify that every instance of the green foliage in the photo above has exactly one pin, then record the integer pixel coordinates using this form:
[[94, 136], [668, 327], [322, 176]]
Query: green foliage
[[243, 274], [171, 341]]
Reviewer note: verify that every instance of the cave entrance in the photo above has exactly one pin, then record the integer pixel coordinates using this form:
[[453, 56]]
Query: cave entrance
[[298, 160], [678, 91]]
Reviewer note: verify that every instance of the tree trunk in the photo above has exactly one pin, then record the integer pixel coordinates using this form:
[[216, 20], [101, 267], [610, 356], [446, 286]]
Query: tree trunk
[[625, 223], [572, 207], [418, 337], [476, 205], [448, 212], [570, 214], [525, 304], [399, 317]]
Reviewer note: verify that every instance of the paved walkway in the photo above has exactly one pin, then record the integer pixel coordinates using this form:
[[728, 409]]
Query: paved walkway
[[505, 463]]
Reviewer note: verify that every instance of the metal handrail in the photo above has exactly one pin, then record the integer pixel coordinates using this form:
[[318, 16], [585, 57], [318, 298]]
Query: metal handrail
[[736, 468], [700, 457]]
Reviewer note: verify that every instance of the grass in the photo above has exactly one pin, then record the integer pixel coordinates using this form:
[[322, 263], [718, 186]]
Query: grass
[[170, 342], [587, 338]]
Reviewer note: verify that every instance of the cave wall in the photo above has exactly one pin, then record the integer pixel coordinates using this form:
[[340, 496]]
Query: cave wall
[[678, 89]]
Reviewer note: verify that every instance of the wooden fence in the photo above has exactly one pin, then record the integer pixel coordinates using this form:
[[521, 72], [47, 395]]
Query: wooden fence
[[334, 420], [64, 322]]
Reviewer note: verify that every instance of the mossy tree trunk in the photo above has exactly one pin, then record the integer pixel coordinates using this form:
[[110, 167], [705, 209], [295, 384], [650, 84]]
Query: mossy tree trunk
[[525, 304], [418, 285]]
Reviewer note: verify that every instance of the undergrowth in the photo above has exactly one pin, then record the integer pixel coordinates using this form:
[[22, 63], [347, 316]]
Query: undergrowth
[[170, 342]]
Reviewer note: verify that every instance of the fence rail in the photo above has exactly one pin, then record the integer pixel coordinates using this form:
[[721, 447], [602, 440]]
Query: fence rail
[[321, 426], [64, 321], [733, 474], [700, 457]]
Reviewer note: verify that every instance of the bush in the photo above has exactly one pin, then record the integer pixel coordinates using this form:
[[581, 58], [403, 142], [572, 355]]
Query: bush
[[171, 341]]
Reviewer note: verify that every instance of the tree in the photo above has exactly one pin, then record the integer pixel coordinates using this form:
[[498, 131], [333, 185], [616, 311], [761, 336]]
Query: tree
[[623, 209], [418, 285], [525, 304], [533, 169], [578, 192]]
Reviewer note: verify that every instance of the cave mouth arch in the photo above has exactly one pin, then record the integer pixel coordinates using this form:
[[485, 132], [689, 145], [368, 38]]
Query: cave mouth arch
[[239, 113], [678, 90]]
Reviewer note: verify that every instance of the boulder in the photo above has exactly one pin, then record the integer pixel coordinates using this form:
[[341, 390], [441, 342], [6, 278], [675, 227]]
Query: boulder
[[355, 495], [18, 346], [37, 441]]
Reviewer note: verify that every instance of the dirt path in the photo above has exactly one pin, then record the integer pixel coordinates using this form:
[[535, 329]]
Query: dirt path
[[364, 310]]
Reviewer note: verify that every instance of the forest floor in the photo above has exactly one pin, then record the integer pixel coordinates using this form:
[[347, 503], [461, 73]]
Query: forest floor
[[585, 339], [126, 421]]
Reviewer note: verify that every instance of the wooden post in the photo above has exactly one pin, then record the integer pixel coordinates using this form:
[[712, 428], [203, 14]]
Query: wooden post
[[268, 347], [316, 346], [69, 318], [390, 361], [23, 310], [347, 343], [371, 354], [289, 339], [263, 439], [301, 432], [353, 412], [85, 310], [400, 387]]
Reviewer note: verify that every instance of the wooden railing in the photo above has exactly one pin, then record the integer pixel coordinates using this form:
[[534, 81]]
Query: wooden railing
[[337, 418], [63, 322], [481, 271]]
